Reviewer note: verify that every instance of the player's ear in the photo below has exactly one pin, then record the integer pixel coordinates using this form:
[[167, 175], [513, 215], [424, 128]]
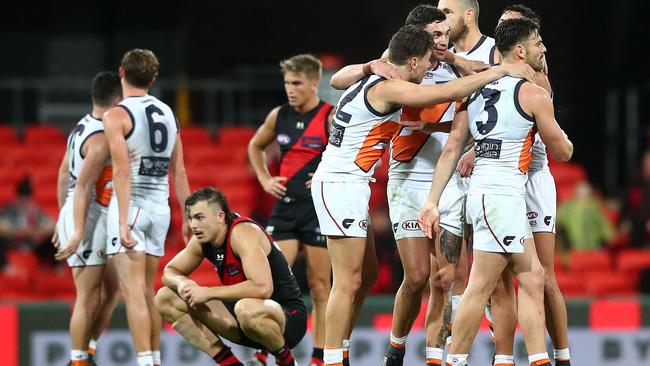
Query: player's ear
[[413, 63], [120, 72]]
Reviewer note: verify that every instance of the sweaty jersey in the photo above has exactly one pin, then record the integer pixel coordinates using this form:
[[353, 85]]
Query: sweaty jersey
[[150, 142], [414, 154], [358, 136], [231, 271], [302, 139], [484, 50], [503, 135], [85, 128]]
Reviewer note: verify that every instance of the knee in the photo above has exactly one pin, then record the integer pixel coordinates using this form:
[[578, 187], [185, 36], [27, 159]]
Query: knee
[[415, 281], [447, 278], [320, 288], [163, 300], [248, 313], [536, 280]]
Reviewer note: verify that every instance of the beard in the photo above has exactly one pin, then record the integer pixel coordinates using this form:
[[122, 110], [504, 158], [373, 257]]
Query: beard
[[458, 32]]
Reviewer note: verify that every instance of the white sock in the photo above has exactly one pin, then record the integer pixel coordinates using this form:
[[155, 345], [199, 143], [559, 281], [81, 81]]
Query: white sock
[[92, 344], [145, 358], [455, 303], [537, 357], [434, 355], [332, 356], [346, 345], [156, 357], [561, 354], [504, 359], [457, 359], [398, 342], [76, 354]]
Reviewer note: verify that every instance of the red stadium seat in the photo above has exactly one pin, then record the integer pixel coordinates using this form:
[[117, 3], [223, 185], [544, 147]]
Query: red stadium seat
[[43, 135], [631, 260], [570, 283], [604, 283], [236, 135], [8, 136], [195, 136], [589, 260]]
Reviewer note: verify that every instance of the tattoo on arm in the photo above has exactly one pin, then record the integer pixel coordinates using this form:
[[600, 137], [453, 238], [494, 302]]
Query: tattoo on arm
[[450, 246]]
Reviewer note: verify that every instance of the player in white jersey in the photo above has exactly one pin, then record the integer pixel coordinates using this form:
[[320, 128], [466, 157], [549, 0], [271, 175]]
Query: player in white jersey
[[84, 191], [145, 144], [363, 125], [503, 133]]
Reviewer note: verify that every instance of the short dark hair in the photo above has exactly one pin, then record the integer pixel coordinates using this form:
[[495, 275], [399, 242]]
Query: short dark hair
[[105, 88], [525, 12], [304, 63], [512, 31], [409, 41], [140, 67], [424, 14], [210, 195]]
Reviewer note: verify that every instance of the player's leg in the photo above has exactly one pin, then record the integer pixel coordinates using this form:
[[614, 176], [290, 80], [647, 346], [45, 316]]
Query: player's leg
[[504, 317], [87, 282], [109, 296], [290, 249], [319, 272], [556, 313], [436, 333], [152, 263]]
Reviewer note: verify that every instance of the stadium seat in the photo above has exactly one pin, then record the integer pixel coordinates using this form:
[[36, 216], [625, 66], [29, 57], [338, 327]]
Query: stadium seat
[[235, 135], [55, 283], [606, 283], [588, 260], [6, 196], [195, 136], [43, 135], [570, 283], [631, 260], [8, 136]]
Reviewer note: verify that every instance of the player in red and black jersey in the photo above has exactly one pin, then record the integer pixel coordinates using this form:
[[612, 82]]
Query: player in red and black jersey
[[259, 303], [300, 128]]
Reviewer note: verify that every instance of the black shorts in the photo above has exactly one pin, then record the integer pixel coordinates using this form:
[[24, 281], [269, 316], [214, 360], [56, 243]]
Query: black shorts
[[295, 315], [296, 219]]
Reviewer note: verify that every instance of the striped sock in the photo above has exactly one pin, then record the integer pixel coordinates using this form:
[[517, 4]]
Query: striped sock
[[434, 356], [333, 356], [316, 356], [539, 359], [261, 355], [225, 357], [562, 357], [144, 358], [504, 360], [283, 356], [457, 359], [345, 346], [398, 342]]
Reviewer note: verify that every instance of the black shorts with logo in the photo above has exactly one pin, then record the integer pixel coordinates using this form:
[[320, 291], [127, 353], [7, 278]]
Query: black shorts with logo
[[295, 218], [295, 315]]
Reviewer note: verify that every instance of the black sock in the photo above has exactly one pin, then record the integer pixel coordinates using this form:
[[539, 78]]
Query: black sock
[[283, 356], [562, 362], [225, 357], [317, 353]]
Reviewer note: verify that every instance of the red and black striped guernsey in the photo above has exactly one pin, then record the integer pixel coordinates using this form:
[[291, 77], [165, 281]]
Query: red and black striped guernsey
[[302, 139]]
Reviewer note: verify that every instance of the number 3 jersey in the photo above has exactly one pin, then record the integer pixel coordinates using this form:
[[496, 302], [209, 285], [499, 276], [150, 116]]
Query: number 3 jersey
[[503, 134], [150, 142], [358, 137], [414, 154]]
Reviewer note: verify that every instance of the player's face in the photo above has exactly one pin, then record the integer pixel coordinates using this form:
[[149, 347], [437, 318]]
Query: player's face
[[455, 19], [535, 50], [440, 33], [421, 66], [299, 88], [206, 221]]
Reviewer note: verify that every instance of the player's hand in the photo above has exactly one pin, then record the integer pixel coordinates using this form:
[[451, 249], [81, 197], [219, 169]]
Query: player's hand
[[384, 70], [125, 237], [183, 286], [521, 70], [274, 186], [70, 248], [308, 182], [197, 295], [414, 125], [469, 67], [185, 231], [429, 219], [466, 163], [55, 238]]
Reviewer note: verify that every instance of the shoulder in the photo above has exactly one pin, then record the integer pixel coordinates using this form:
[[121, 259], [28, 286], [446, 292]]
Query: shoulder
[[531, 94], [245, 235], [115, 114]]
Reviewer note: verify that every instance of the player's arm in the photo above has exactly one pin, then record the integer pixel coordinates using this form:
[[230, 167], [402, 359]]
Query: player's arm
[[465, 66], [537, 102], [116, 121], [350, 74], [263, 138], [414, 95], [62, 181], [449, 157], [96, 152], [181, 185], [182, 265]]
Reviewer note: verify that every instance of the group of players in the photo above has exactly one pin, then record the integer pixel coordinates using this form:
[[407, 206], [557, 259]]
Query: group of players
[[426, 104]]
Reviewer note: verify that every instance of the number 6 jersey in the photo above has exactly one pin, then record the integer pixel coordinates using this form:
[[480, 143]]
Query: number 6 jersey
[[150, 142], [503, 138]]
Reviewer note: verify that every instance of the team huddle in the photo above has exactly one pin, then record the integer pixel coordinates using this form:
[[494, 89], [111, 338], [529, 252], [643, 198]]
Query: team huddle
[[466, 129]]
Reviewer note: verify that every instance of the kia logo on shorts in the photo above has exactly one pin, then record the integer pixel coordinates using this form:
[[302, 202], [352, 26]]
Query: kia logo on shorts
[[508, 239], [347, 223], [411, 225], [531, 215], [363, 224]]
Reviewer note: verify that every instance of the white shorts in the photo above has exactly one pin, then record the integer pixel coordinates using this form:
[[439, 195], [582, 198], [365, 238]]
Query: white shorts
[[499, 222], [92, 248], [149, 229], [342, 208], [541, 201], [404, 206], [452, 205]]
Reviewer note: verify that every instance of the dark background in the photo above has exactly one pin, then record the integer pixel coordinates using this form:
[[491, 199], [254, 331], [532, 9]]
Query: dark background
[[593, 47]]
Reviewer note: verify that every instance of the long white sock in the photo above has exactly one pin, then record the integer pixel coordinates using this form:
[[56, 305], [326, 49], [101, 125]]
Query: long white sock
[[398, 342], [76, 354], [156, 357], [504, 360], [532, 359], [562, 354], [434, 355], [145, 358], [457, 359], [332, 356]]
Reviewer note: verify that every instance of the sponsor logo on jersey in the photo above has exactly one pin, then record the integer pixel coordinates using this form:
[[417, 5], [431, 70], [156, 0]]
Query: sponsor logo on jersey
[[363, 224], [154, 166], [547, 220], [232, 269], [347, 223], [283, 139], [312, 142], [270, 229], [300, 125], [219, 257], [532, 222], [336, 134], [488, 148], [411, 225], [508, 239], [531, 215]]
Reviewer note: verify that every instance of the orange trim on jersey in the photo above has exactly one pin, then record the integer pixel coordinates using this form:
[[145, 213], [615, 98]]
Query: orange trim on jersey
[[370, 152], [526, 155], [103, 186], [406, 147]]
